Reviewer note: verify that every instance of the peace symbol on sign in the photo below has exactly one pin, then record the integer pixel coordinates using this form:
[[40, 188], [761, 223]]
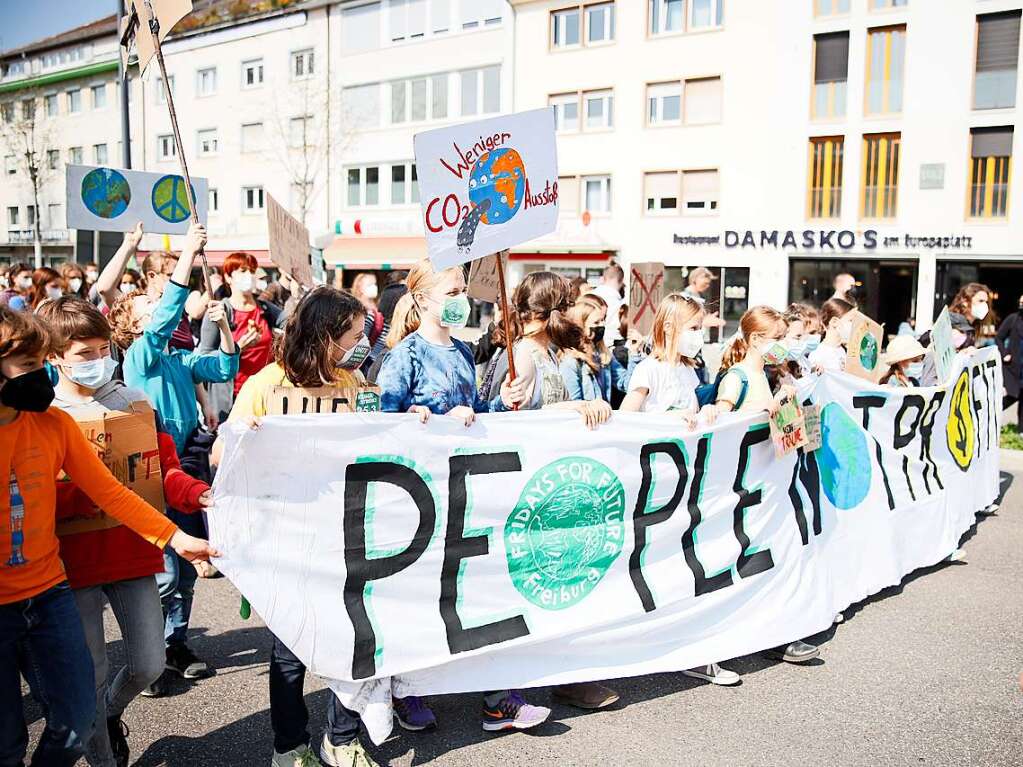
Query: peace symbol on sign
[[170, 200]]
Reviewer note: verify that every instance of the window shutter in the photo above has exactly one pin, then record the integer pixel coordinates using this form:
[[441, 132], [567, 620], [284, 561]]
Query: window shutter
[[700, 185], [661, 185], [998, 41], [832, 58], [992, 142], [568, 194]]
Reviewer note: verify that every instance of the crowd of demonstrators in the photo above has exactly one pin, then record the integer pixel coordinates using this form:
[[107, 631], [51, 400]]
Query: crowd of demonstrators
[[90, 341]]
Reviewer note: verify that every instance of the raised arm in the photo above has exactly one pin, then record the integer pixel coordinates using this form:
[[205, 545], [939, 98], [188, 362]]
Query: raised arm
[[108, 283]]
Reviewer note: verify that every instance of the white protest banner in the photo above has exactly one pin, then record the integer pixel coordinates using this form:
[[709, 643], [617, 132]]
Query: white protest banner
[[289, 243], [392, 555], [942, 347], [488, 185], [114, 200]]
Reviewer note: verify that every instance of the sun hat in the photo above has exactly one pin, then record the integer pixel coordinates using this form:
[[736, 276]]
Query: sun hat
[[902, 348]]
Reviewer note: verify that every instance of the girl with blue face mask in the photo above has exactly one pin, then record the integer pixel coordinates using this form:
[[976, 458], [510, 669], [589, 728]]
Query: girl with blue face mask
[[905, 360]]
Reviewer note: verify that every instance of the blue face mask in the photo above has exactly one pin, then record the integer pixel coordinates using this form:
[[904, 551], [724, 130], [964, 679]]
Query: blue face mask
[[92, 374], [915, 370], [796, 349], [811, 342]]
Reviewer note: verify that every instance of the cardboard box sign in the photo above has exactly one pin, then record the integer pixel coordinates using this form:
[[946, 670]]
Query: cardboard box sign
[[645, 293], [788, 427], [812, 418], [484, 283], [289, 243], [863, 354], [126, 443], [292, 400]]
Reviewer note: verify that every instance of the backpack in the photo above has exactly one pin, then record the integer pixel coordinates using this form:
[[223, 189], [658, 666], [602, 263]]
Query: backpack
[[707, 394]]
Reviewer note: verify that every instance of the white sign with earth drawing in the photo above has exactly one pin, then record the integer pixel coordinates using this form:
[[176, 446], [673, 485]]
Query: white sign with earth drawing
[[487, 186], [114, 200]]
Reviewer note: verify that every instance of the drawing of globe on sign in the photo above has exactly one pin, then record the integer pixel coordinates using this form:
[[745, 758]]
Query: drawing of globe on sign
[[497, 184], [170, 199], [105, 193], [868, 352]]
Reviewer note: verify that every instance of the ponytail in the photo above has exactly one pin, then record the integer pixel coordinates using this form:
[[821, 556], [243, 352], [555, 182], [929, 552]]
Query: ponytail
[[735, 352], [404, 321]]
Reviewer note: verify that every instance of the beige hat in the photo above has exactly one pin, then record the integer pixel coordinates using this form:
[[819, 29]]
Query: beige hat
[[901, 348]]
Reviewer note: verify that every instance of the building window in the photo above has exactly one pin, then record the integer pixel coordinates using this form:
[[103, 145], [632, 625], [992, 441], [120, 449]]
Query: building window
[[481, 87], [50, 101], [53, 159], [207, 142], [666, 16], [597, 191], [10, 164], [360, 28], [825, 177], [599, 107], [664, 103], [419, 99], [214, 201], [300, 132], [480, 13], [206, 82], [830, 74], [830, 7], [302, 65], [699, 192], [99, 154], [252, 199], [706, 14], [165, 148], [566, 112], [75, 155], [55, 215], [360, 105], [662, 192], [703, 101], [99, 96], [363, 186], [7, 112], [12, 215], [404, 184], [880, 175], [990, 156], [565, 28], [997, 56], [28, 109], [439, 96], [440, 16], [252, 73], [252, 137], [878, 5], [600, 23], [568, 195], [407, 20], [161, 92], [886, 49], [74, 101]]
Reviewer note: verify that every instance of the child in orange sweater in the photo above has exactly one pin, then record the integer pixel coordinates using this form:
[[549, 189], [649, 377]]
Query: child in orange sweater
[[40, 629]]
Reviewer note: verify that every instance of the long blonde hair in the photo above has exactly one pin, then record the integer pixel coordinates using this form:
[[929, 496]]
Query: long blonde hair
[[759, 319], [406, 319], [590, 352], [679, 309]]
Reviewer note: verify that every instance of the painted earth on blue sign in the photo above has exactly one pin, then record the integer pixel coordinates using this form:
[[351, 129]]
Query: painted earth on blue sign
[[105, 193], [498, 177], [170, 199], [844, 458]]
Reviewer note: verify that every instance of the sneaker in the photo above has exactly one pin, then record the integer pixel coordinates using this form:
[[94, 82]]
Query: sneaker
[[118, 732], [957, 556], [797, 652], [413, 714], [513, 713], [303, 756], [714, 674], [989, 511], [157, 689], [839, 618], [587, 695], [352, 755], [185, 663]]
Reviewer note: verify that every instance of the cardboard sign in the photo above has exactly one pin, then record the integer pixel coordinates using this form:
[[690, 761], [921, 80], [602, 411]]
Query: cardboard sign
[[788, 426], [645, 294], [812, 419], [488, 185], [289, 243], [484, 284], [292, 400], [114, 200], [126, 443], [863, 354], [168, 13], [942, 347]]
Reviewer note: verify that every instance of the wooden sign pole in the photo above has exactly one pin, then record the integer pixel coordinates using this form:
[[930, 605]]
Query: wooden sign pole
[[506, 319]]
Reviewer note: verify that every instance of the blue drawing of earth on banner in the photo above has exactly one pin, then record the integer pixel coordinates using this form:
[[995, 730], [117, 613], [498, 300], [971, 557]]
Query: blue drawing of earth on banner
[[844, 458], [105, 193], [500, 178]]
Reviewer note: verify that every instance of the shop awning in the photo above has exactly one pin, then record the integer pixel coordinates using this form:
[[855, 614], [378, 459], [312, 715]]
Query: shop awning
[[357, 252]]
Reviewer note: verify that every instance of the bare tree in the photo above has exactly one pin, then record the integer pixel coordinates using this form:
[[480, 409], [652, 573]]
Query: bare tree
[[27, 136]]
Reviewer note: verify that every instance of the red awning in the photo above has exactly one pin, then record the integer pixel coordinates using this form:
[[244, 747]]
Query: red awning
[[599, 256], [359, 252]]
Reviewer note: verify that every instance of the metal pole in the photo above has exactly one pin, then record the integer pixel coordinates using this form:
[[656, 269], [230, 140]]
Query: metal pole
[[122, 73]]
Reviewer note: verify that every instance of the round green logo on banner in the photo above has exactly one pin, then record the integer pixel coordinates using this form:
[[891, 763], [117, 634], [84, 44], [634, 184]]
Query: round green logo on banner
[[565, 532], [868, 352]]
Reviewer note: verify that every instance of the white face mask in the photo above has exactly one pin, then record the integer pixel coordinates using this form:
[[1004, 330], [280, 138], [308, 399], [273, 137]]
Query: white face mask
[[690, 343], [75, 283], [261, 285], [243, 282], [92, 276], [355, 356], [371, 290], [979, 311], [4, 283], [127, 287], [53, 293], [24, 282]]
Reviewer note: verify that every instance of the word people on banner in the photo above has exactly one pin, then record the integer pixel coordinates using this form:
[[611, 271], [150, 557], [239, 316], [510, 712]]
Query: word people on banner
[[488, 185], [645, 293], [289, 243]]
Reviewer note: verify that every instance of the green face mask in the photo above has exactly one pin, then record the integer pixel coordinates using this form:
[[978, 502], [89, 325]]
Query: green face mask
[[455, 313]]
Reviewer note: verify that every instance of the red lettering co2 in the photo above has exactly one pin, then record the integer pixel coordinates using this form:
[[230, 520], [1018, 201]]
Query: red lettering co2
[[446, 214]]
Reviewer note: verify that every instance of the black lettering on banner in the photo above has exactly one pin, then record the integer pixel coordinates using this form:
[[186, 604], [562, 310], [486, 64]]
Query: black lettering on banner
[[759, 561], [643, 519], [457, 547], [978, 372], [926, 429], [867, 402], [362, 570], [797, 501], [704, 585], [993, 396], [806, 473], [901, 439]]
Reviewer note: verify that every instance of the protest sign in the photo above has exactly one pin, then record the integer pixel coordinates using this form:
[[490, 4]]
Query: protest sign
[[436, 558], [863, 354], [289, 400], [289, 243], [126, 443], [114, 200], [167, 13], [488, 185], [484, 283], [812, 420], [788, 426], [645, 294], [942, 346]]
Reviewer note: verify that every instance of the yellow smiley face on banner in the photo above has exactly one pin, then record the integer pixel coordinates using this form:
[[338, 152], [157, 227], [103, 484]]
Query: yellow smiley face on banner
[[960, 422]]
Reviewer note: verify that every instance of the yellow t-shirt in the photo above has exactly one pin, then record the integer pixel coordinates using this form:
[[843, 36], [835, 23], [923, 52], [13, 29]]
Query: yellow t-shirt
[[252, 398]]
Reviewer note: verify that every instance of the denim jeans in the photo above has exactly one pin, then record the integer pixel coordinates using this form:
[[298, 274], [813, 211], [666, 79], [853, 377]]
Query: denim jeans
[[43, 637], [289, 716], [177, 582], [136, 606]]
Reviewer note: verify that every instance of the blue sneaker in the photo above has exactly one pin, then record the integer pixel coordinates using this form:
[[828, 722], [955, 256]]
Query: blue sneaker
[[513, 713], [413, 714]]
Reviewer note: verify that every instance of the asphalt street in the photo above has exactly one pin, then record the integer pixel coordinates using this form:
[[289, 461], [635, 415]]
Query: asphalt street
[[925, 673]]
